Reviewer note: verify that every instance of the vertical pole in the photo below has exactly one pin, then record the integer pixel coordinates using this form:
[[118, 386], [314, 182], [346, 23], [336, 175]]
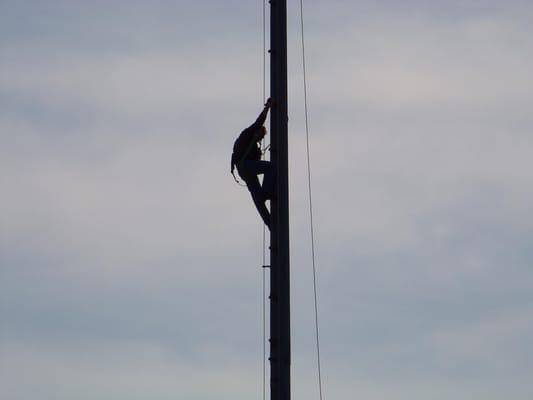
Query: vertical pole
[[280, 345]]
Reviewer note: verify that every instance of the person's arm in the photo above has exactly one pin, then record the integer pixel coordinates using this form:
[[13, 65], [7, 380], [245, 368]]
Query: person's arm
[[259, 122]]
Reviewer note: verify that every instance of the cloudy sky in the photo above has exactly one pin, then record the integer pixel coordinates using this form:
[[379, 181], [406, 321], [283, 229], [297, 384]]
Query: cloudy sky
[[130, 260]]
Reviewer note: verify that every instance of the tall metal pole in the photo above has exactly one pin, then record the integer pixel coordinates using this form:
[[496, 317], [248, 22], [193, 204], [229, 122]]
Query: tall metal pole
[[280, 343]]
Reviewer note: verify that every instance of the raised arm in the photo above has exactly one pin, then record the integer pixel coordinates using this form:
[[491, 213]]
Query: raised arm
[[259, 122]]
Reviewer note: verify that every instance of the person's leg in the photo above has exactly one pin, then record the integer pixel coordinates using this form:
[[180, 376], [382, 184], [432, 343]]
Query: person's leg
[[264, 168], [256, 167], [261, 207], [268, 182], [252, 182]]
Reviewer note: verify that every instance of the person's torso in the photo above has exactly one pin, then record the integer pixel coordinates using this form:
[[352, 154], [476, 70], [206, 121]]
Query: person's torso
[[246, 148]]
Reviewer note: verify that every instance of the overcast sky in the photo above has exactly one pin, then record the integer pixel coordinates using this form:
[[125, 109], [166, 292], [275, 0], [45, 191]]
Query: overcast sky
[[130, 262]]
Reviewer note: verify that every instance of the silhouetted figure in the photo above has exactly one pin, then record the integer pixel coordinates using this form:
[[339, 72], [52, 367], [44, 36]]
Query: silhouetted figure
[[247, 158]]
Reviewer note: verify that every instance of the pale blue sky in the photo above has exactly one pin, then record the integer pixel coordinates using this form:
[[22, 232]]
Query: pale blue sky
[[130, 261]]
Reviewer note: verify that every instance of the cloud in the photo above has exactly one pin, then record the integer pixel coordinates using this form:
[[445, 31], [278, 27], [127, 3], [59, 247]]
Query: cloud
[[129, 258]]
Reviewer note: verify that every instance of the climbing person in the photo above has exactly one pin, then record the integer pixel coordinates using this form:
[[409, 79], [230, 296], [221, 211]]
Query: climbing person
[[247, 158]]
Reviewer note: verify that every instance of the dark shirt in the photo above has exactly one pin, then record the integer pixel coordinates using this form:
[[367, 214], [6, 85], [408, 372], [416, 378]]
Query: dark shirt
[[247, 147]]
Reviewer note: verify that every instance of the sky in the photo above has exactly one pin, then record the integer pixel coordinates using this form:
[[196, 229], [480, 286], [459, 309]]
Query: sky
[[130, 261]]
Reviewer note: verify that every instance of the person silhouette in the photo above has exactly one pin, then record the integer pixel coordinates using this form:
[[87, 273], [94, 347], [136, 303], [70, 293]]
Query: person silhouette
[[246, 157]]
